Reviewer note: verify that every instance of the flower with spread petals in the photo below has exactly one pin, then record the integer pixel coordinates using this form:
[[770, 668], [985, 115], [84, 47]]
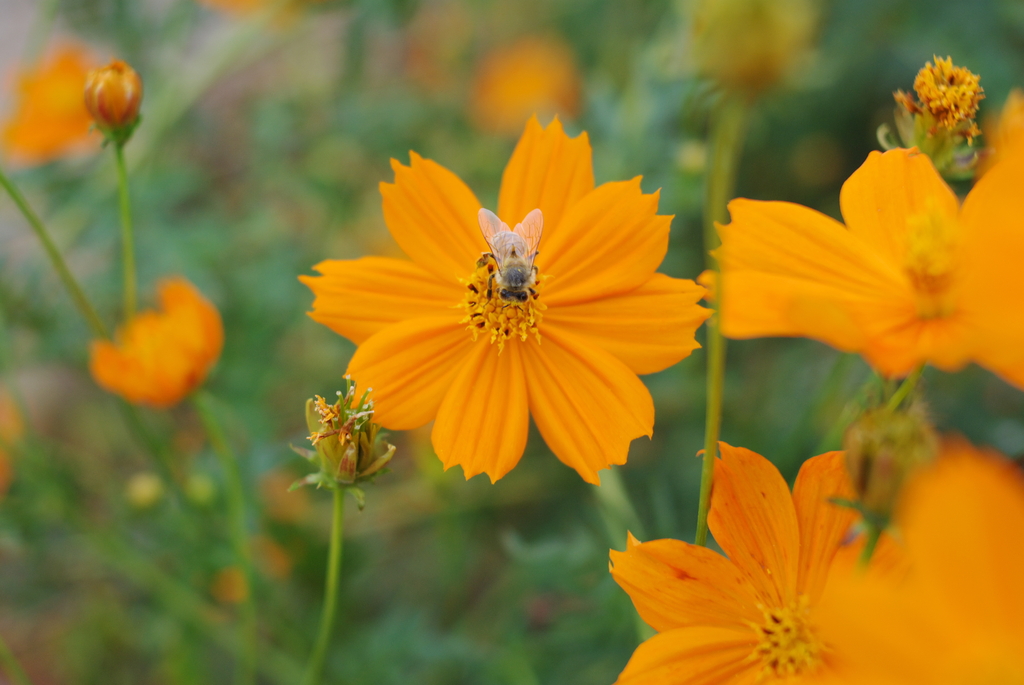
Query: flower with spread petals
[[913, 276], [535, 75], [50, 119], [160, 357], [438, 342], [955, 617], [749, 616]]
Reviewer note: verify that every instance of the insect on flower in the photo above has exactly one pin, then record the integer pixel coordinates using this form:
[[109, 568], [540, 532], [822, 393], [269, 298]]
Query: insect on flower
[[513, 250]]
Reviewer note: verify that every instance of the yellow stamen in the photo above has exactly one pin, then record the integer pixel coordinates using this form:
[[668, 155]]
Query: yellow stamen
[[501, 320], [951, 94], [931, 259], [788, 644]]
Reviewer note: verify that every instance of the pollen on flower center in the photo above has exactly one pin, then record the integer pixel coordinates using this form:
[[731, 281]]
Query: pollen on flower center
[[493, 316], [949, 93], [788, 643], [930, 259]]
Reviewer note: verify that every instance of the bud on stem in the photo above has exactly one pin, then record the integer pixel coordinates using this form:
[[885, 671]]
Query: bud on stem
[[113, 96]]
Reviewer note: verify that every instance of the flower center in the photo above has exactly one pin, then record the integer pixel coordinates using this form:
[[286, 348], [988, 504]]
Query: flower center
[[930, 260], [501, 317], [949, 93], [788, 644]]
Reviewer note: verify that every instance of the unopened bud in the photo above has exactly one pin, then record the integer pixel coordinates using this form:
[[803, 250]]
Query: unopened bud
[[143, 490], [882, 449], [750, 45], [113, 96]]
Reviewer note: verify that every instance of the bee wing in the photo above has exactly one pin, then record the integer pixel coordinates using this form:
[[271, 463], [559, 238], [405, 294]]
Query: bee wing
[[490, 225], [530, 231]]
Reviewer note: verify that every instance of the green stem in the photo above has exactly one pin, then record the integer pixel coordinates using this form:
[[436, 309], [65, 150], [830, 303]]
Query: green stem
[[871, 534], [239, 533], [728, 129], [127, 237], [316, 660], [902, 392], [70, 284], [11, 666]]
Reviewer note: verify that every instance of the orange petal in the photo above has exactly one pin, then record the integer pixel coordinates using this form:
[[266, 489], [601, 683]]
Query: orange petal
[[823, 525], [587, 404], [963, 522], [674, 584], [610, 242], [358, 297], [788, 270], [432, 215], [483, 420], [992, 216], [548, 170], [885, 191], [409, 365], [753, 519], [695, 656], [650, 328]]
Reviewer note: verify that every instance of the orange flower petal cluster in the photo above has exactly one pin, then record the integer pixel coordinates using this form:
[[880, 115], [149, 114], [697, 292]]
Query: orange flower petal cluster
[[749, 616], [50, 119], [535, 75], [159, 357], [602, 315], [913, 276], [956, 617]]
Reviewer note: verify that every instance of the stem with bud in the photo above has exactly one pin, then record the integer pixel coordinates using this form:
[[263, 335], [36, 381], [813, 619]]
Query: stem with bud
[[127, 236]]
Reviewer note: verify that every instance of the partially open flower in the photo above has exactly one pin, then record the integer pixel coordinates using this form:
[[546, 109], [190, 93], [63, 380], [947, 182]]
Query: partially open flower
[[345, 439], [113, 96], [160, 357]]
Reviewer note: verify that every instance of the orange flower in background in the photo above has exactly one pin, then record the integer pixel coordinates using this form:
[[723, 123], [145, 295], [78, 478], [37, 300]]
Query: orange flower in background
[[532, 76], [956, 618], [49, 119], [159, 357], [11, 430], [913, 277], [438, 343], [241, 7], [749, 616]]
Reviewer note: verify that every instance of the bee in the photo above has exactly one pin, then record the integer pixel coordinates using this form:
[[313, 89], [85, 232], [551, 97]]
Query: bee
[[513, 250]]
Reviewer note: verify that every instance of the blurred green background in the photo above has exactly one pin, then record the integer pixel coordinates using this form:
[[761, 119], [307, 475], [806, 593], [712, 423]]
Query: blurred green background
[[259, 155]]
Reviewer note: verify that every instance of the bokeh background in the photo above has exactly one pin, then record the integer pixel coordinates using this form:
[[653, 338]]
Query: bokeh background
[[262, 145]]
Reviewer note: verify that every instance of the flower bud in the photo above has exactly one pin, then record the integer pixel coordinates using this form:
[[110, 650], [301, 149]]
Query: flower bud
[[113, 96], [882, 449], [750, 45]]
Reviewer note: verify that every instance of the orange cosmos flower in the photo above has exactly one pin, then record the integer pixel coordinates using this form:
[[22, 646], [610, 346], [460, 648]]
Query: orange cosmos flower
[[956, 618], [159, 357], [437, 342], [532, 76], [50, 119], [913, 277], [749, 616]]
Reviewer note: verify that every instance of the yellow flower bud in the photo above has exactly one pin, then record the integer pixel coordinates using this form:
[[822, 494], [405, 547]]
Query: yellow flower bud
[[143, 490], [750, 45], [113, 96], [882, 449]]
